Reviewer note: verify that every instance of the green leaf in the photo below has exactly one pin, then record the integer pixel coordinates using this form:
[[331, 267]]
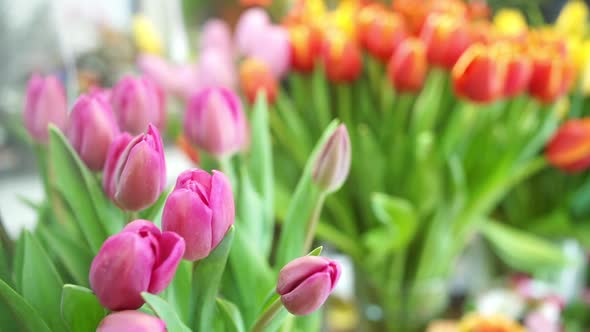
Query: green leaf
[[80, 309], [521, 250], [206, 281], [179, 291], [17, 314], [41, 284], [231, 316], [399, 223], [251, 214], [165, 311], [17, 263], [75, 257], [302, 204], [73, 180]]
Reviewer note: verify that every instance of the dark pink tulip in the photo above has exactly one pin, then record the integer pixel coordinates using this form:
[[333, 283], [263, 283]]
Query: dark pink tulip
[[201, 210], [135, 170], [333, 164], [131, 321], [216, 34], [45, 103], [215, 122], [138, 259], [137, 102], [306, 282], [91, 129]]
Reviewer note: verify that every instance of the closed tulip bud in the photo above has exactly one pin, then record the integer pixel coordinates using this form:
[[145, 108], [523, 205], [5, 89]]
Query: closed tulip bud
[[479, 75], [250, 27], [306, 282], [216, 34], [341, 57], [255, 77], [446, 38], [91, 129], [135, 170], [306, 47], [333, 163], [45, 103], [138, 259], [384, 34], [569, 148], [408, 67], [552, 75], [201, 210], [131, 321], [215, 122], [137, 102]]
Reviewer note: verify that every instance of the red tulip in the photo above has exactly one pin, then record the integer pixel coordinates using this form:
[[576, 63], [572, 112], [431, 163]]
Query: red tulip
[[569, 148], [306, 47], [342, 57], [479, 75], [552, 75], [518, 72], [446, 38], [383, 34], [408, 67]]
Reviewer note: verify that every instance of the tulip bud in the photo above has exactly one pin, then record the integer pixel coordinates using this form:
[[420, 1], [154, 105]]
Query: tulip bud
[[135, 170], [137, 102], [45, 103], [138, 259], [215, 122], [250, 27], [201, 210], [215, 68], [552, 75], [384, 34], [306, 282], [342, 57], [216, 34], [333, 163], [254, 77], [91, 129], [478, 75], [446, 38], [408, 67], [306, 47], [131, 320], [569, 148]]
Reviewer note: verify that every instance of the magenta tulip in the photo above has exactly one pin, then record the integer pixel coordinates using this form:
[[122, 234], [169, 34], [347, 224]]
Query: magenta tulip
[[215, 122], [251, 27], [333, 164], [216, 34], [131, 321], [138, 259], [45, 103], [92, 128], [201, 210], [135, 170], [137, 102], [306, 282]]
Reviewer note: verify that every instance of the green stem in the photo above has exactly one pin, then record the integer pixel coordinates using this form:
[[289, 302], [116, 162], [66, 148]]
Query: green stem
[[344, 105], [321, 98], [312, 223], [5, 240], [267, 316], [339, 240], [130, 216], [227, 168]]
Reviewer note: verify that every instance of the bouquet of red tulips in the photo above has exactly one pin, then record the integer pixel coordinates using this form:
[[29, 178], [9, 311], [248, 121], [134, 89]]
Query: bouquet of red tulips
[[116, 250]]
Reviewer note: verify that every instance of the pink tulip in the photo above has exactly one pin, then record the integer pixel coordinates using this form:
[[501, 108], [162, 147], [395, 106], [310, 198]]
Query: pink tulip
[[251, 27], [272, 47], [45, 103], [131, 321], [137, 102], [216, 34], [306, 282], [138, 259], [92, 128], [215, 122], [201, 210], [135, 170], [333, 164], [215, 68], [178, 80]]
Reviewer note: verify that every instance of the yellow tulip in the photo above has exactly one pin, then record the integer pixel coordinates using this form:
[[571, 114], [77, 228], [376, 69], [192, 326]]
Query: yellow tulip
[[572, 18], [580, 51], [510, 22], [145, 35], [343, 17]]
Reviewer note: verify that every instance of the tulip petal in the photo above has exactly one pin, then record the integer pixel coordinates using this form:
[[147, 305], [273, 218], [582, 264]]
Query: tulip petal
[[121, 271], [172, 248], [221, 202], [113, 155], [309, 295], [131, 321]]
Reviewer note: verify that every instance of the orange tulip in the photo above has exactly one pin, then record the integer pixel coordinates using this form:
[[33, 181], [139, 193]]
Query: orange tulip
[[479, 75], [416, 12], [306, 46], [569, 148], [341, 56], [383, 34], [446, 38], [365, 19], [408, 66], [256, 76], [262, 3], [478, 9]]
